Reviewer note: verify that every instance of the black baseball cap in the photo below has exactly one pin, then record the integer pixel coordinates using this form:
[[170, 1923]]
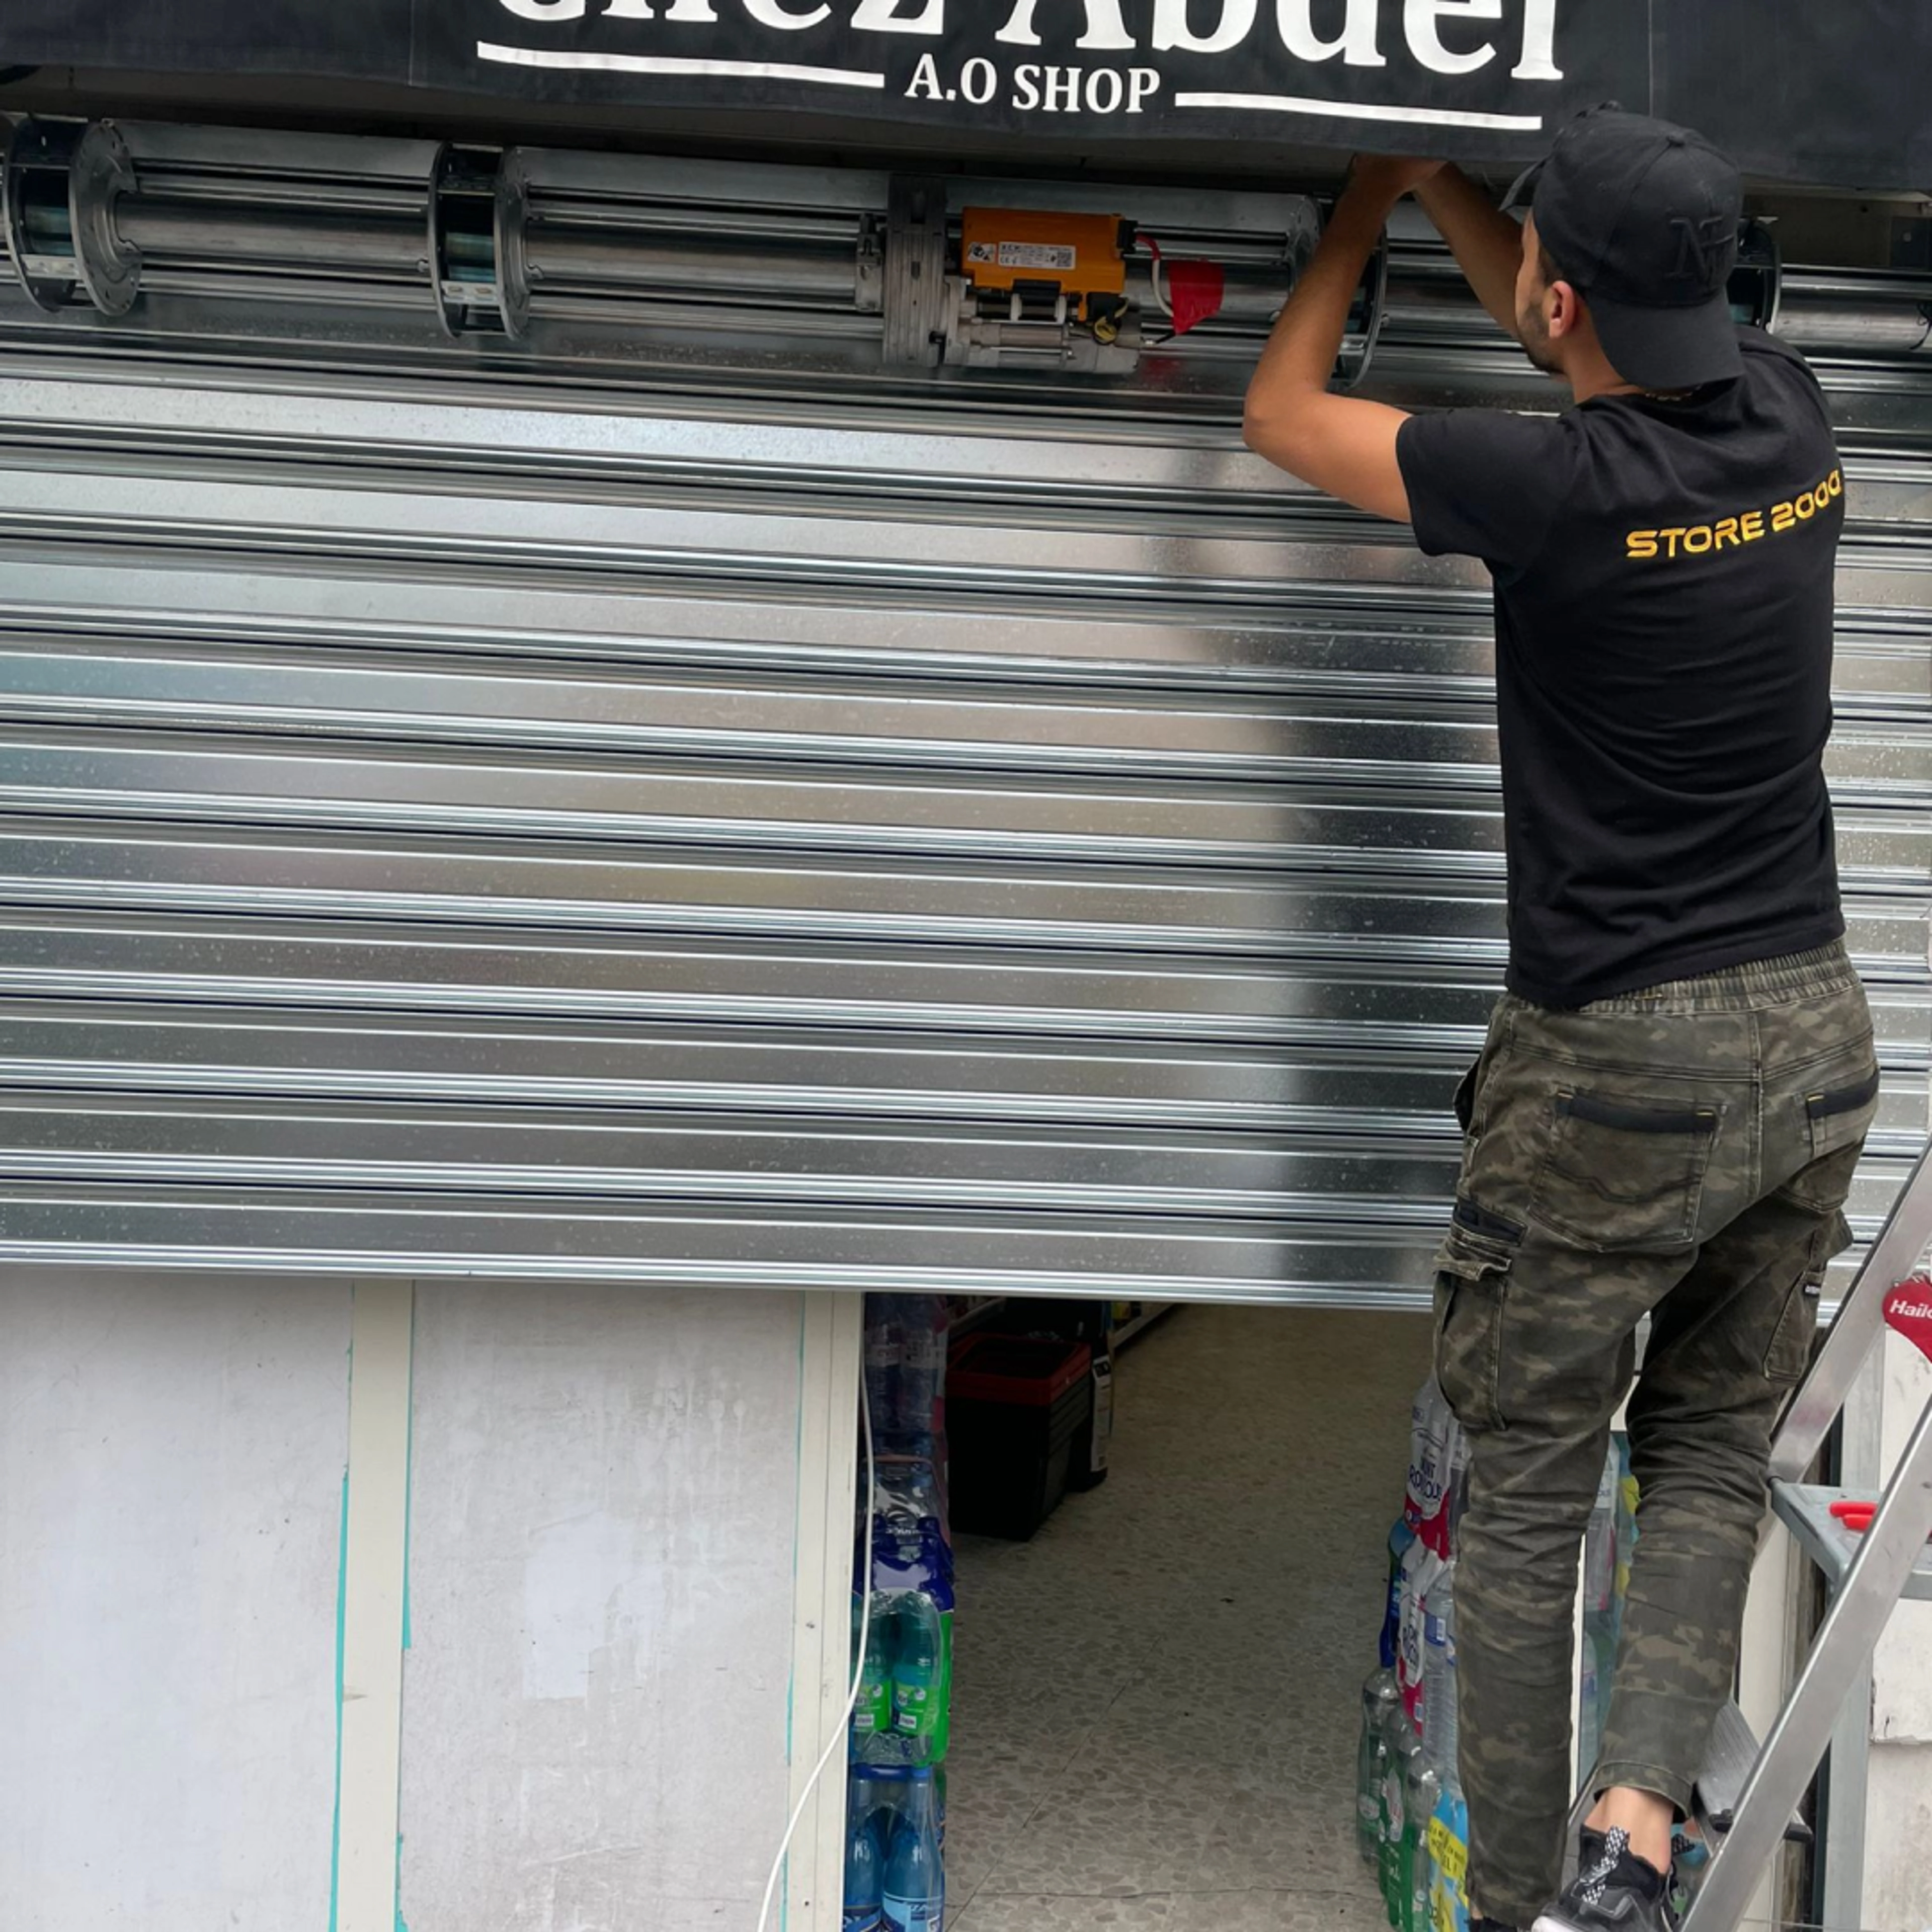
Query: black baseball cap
[[1642, 217]]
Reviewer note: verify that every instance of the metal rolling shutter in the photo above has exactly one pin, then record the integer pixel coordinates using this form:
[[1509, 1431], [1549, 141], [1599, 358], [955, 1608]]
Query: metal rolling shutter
[[465, 812]]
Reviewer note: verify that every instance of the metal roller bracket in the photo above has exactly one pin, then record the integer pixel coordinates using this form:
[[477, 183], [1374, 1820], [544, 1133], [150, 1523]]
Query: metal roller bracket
[[1365, 319], [868, 286], [1757, 282], [94, 169], [479, 272], [513, 257], [916, 294], [48, 279]]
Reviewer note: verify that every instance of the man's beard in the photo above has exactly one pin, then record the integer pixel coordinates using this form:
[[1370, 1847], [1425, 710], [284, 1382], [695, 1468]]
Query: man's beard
[[1535, 332]]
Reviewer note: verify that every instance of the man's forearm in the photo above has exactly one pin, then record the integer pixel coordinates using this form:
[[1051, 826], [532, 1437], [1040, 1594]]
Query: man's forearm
[[1346, 444], [1302, 352], [1486, 244]]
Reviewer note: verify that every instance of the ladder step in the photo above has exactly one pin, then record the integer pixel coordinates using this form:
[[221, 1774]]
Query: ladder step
[[1732, 1757], [1806, 1507]]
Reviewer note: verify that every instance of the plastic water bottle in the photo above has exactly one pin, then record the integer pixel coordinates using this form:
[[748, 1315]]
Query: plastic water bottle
[[864, 1867], [1448, 1841], [883, 1354], [905, 1366], [1690, 1859], [1597, 1655], [1441, 1727], [1456, 1505], [1600, 1538], [1423, 1784], [915, 1877], [1442, 1443], [1423, 1417], [1381, 1695], [1404, 1747], [918, 1693], [921, 1489], [872, 1715], [923, 1385], [1591, 1679], [1371, 1767], [1420, 1566], [1432, 1774], [1419, 1801], [1449, 1863], [1627, 1499]]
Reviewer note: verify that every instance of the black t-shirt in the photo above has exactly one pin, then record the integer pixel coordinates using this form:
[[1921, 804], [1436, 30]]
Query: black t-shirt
[[1663, 579]]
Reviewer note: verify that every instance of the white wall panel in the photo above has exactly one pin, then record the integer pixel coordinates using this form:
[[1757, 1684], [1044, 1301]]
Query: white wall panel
[[1898, 1806], [597, 1698], [171, 1486], [1902, 1670]]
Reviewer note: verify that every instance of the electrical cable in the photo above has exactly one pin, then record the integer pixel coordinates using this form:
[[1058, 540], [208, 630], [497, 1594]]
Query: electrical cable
[[837, 1740], [1162, 301]]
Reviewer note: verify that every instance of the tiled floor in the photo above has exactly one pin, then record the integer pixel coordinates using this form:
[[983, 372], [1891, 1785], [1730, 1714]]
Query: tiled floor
[[1156, 1700]]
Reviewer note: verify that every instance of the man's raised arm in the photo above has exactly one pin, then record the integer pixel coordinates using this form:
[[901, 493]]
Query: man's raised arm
[[1486, 244], [1341, 444]]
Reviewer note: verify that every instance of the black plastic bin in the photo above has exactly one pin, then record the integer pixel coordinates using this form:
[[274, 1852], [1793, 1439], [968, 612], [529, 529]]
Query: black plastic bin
[[1014, 1408], [1072, 1320]]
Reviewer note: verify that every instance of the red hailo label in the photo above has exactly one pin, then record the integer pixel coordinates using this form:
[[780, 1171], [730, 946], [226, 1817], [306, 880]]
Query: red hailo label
[[1908, 1308]]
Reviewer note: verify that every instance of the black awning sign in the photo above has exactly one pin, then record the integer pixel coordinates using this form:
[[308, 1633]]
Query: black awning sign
[[1798, 89], [1492, 66]]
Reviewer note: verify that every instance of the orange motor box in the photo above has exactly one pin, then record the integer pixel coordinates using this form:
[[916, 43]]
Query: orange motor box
[[1080, 255]]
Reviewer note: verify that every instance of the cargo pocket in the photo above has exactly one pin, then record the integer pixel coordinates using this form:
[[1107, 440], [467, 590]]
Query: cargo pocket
[[1620, 1173], [1472, 1270], [1790, 1354]]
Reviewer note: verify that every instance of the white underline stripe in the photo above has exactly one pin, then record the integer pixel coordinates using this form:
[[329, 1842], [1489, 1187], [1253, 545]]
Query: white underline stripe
[[825, 77], [1354, 110]]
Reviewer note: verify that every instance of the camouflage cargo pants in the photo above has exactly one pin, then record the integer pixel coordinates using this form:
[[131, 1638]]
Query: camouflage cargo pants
[[1684, 1153]]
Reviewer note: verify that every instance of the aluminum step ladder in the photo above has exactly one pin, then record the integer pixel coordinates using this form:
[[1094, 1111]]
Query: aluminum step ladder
[[1748, 1796]]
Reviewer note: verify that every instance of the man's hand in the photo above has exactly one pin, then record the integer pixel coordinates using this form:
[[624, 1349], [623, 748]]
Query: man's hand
[[1339, 443], [1387, 178]]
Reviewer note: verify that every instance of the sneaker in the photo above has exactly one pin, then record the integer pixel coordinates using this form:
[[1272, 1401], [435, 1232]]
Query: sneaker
[[1615, 1891]]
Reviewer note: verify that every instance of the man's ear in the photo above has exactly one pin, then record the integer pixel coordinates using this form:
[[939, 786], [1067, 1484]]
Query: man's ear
[[1566, 310]]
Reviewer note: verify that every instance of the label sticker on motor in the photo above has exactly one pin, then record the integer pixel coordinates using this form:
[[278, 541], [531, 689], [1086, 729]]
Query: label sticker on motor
[[1030, 255]]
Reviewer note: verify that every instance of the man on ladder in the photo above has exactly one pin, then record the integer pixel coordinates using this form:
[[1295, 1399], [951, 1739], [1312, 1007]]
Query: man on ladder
[[1676, 1087]]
